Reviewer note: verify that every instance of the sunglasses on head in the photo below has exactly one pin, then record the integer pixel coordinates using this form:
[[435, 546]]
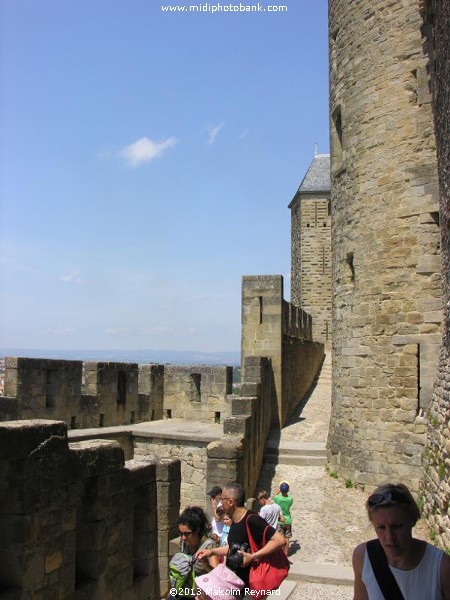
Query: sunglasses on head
[[377, 499], [184, 533]]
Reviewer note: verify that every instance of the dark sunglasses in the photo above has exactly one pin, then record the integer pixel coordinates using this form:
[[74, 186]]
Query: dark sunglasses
[[377, 499], [184, 533]]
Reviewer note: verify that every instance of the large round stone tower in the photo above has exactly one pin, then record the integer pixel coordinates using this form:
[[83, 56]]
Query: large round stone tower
[[385, 241]]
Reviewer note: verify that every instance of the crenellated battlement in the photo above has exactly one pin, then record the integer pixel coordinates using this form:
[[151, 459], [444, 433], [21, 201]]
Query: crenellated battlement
[[102, 394], [296, 322], [281, 331], [77, 520]]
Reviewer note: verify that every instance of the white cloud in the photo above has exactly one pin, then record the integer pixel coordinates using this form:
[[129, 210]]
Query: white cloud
[[244, 133], [213, 131], [144, 150], [73, 277]]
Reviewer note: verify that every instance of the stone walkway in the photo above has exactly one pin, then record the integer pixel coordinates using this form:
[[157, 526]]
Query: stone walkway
[[329, 520]]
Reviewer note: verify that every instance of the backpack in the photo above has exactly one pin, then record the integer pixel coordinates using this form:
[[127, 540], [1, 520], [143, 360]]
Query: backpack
[[181, 572]]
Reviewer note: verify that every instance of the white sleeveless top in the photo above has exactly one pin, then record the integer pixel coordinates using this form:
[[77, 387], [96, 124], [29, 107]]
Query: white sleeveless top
[[422, 582]]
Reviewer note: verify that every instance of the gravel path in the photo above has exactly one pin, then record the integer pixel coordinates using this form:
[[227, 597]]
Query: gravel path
[[329, 520], [320, 591]]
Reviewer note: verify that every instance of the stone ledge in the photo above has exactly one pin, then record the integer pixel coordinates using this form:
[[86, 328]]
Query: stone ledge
[[321, 573], [170, 429], [416, 338]]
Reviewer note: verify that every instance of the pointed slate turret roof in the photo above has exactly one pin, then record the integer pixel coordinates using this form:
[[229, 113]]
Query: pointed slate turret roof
[[317, 178]]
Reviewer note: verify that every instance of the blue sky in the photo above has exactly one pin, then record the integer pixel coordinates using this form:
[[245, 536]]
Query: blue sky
[[147, 159]]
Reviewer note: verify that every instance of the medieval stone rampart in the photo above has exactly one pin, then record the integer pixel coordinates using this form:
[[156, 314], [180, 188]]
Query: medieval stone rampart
[[279, 330], [238, 455], [190, 449], [436, 488], [77, 521], [115, 393], [198, 393], [224, 452], [385, 241]]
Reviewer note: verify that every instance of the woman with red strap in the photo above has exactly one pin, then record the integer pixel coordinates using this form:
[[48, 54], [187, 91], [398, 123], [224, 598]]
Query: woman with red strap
[[233, 500]]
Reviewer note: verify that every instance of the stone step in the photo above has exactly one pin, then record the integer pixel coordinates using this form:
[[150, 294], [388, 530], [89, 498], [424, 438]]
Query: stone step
[[295, 453], [297, 460], [273, 445], [321, 573], [285, 590]]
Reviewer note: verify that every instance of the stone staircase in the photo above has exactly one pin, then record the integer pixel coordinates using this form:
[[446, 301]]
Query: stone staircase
[[300, 454]]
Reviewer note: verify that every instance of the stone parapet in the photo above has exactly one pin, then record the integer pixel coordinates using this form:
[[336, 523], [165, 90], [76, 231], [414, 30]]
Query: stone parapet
[[77, 521], [302, 360], [191, 454], [277, 329], [197, 392], [105, 394], [238, 455]]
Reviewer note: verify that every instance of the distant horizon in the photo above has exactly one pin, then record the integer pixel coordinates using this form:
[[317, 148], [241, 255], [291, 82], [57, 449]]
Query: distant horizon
[[98, 349], [128, 355]]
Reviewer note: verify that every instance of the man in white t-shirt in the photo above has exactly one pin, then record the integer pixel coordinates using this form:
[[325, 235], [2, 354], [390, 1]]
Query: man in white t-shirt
[[270, 511]]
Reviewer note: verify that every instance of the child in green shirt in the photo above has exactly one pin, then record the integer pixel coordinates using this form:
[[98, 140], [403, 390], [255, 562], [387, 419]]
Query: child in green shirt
[[285, 502]]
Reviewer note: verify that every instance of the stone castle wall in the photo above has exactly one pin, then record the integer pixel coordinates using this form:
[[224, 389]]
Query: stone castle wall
[[198, 393], [225, 452], [115, 393], [276, 329], [302, 361], [77, 521], [192, 454], [311, 260], [114, 389], [385, 241], [435, 485], [237, 452]]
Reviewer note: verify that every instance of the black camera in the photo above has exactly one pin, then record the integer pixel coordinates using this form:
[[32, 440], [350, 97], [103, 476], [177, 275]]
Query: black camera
[[234, 559]]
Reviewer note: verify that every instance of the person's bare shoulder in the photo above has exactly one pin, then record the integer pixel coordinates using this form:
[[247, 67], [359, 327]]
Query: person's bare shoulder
[[360, 592], [358, 558]]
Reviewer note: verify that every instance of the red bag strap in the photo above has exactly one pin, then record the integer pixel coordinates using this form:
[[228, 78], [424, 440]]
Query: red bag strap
[[253, 545]]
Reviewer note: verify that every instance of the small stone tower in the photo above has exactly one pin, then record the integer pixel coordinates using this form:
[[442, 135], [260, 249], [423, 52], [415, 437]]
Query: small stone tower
[[311, 247]]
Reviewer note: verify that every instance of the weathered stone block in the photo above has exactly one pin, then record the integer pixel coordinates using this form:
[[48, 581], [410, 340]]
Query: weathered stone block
[[95, 457], [236, 425], [168, 469], [142, 471], [242, 406], [229, 447], [34, 437]]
